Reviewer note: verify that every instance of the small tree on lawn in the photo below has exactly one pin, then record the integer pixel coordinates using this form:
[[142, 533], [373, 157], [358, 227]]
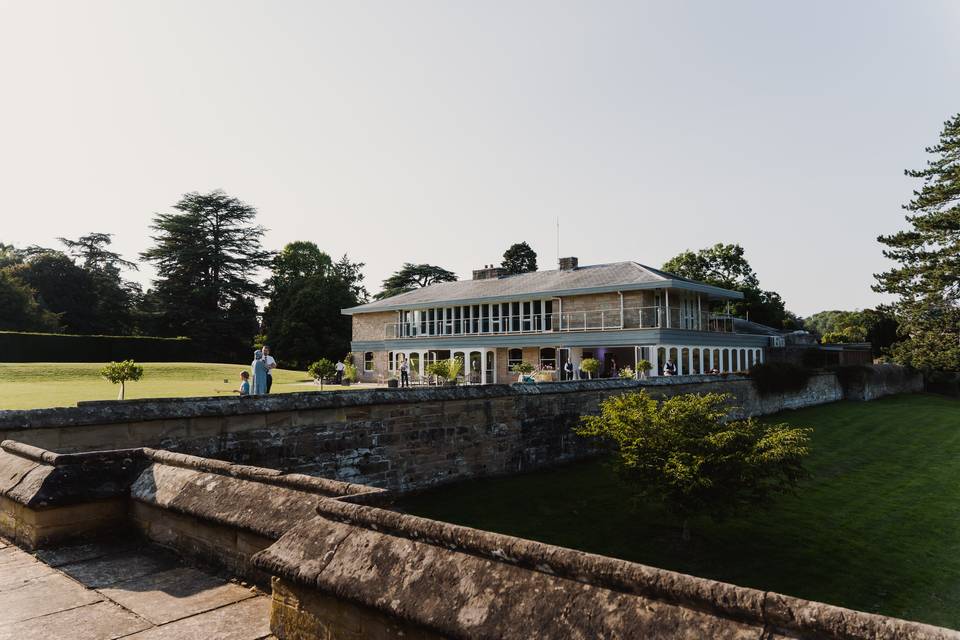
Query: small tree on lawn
[[591, 366], [322, 369], [685, 453], [121, 373]]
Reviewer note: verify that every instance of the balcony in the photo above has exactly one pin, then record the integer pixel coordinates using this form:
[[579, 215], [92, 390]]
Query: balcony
[[562, 322]]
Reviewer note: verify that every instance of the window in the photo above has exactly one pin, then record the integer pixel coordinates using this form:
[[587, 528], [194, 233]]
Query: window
[[514, 356], [390, 361], [548, 358], [368, 361]]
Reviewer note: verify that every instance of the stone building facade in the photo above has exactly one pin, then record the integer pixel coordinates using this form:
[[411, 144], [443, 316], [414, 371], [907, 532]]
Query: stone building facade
[[619, 313]]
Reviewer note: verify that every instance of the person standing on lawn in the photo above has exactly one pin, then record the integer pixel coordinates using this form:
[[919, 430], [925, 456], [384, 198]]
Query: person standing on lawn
[[259, 367], [271, 365], [340, 368]]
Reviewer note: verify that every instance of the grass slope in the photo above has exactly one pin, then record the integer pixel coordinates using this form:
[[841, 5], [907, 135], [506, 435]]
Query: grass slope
[[45, 384], [877, 528]]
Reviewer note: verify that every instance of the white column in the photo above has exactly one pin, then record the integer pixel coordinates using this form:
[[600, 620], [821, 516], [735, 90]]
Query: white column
[[654, 360], [690, 368], [483, 366], [667, 299]]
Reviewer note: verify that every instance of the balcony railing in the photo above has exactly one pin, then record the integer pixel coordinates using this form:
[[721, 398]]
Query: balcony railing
[[562, 322]]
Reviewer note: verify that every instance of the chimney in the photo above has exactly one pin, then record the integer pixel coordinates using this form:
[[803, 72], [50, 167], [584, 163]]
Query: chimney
[[488, 272], [568, 264]]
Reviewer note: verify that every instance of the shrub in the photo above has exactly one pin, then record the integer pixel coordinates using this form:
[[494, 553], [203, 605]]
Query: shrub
[[21, 346], [779, 377], [322, 369], [447, 369], [644, 366], [350, 372], [685, 453], [852, 376], [121, 373], [522, 368], [591, 366], [627, 373]]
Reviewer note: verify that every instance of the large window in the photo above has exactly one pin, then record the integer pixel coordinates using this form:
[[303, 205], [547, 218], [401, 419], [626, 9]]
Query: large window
[[514, 356], [548, 358], [390, 361], [368, 361]]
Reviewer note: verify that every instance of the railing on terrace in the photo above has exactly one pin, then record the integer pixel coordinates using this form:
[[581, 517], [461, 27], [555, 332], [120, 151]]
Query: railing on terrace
[[563, 322]]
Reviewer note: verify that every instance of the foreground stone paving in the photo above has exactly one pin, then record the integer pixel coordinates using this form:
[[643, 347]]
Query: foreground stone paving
[[121, 590]]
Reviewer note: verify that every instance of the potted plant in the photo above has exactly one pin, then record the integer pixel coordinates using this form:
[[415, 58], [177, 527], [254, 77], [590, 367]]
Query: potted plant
[[523, 371], [321, 370], [627, 373], [643, 368], [393, 382], [446, 371], [591, 366]]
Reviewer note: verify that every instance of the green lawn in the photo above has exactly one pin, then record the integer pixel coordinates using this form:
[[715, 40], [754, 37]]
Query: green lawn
[[877, 528], [57, 384]]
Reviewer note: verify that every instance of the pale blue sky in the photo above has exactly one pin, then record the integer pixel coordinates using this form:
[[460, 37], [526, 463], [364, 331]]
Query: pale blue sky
[[443, 132]]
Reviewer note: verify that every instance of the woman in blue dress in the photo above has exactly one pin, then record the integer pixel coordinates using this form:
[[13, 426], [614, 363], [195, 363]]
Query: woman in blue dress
[[259, 366]]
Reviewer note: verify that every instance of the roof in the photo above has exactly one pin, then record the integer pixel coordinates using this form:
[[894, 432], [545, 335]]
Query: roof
[[598, 278]]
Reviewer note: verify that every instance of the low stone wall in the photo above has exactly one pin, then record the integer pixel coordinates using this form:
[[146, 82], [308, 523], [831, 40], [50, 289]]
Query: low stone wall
[[400, 439], [359, 572]]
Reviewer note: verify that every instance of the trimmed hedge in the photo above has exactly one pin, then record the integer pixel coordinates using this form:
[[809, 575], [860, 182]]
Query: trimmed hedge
[[779, 377], [21, 346]]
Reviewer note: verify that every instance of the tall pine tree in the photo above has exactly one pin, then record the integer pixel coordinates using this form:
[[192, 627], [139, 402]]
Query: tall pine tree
[[207, 256], [926, 279]]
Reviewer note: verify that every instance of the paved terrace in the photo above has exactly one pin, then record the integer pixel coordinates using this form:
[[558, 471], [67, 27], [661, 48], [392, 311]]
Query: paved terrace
[[121, 590]]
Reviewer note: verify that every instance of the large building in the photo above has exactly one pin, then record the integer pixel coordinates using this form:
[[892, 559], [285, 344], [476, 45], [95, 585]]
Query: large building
[[618, 313]]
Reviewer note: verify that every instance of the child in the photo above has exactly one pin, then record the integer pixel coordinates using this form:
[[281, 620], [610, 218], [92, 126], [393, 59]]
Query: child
[[244, 389]]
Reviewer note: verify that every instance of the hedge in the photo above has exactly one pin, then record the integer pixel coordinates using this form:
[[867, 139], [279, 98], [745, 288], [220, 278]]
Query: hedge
[[20, 346]]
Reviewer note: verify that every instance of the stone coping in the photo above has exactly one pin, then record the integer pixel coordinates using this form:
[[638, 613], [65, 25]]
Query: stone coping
[[298, 481], [770, 609], [37, 477], [120, 411], [30, 452]]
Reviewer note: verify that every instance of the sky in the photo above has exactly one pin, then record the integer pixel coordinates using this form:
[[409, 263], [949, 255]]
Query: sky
[[444, 132]]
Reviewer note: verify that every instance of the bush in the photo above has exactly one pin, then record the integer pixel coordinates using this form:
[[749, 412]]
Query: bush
[[644, 366], [20, 346], [627, 373], [445, 370], [350, 373], [687, 454], [522, 368], [779, 377]]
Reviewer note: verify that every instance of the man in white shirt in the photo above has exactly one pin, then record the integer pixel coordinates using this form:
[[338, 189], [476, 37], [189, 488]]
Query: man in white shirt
[[271, 365], [340, 367]]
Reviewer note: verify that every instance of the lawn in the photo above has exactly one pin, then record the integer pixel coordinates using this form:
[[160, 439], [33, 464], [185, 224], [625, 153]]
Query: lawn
[[876, 528], [56, 384]]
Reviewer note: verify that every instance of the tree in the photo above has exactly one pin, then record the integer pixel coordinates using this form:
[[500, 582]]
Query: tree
[[121, 373], [726, 266], [876, 326], [519, 258], [687, 454], [207, 255], [321, 369], [591, 366], [926, 279], [62, 288], [115, 297], [414, 276], [19, 310], [307, 292]]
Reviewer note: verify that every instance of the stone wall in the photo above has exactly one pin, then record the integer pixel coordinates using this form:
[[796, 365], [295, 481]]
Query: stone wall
[[400, 439], [370, 326], [342, 568]]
